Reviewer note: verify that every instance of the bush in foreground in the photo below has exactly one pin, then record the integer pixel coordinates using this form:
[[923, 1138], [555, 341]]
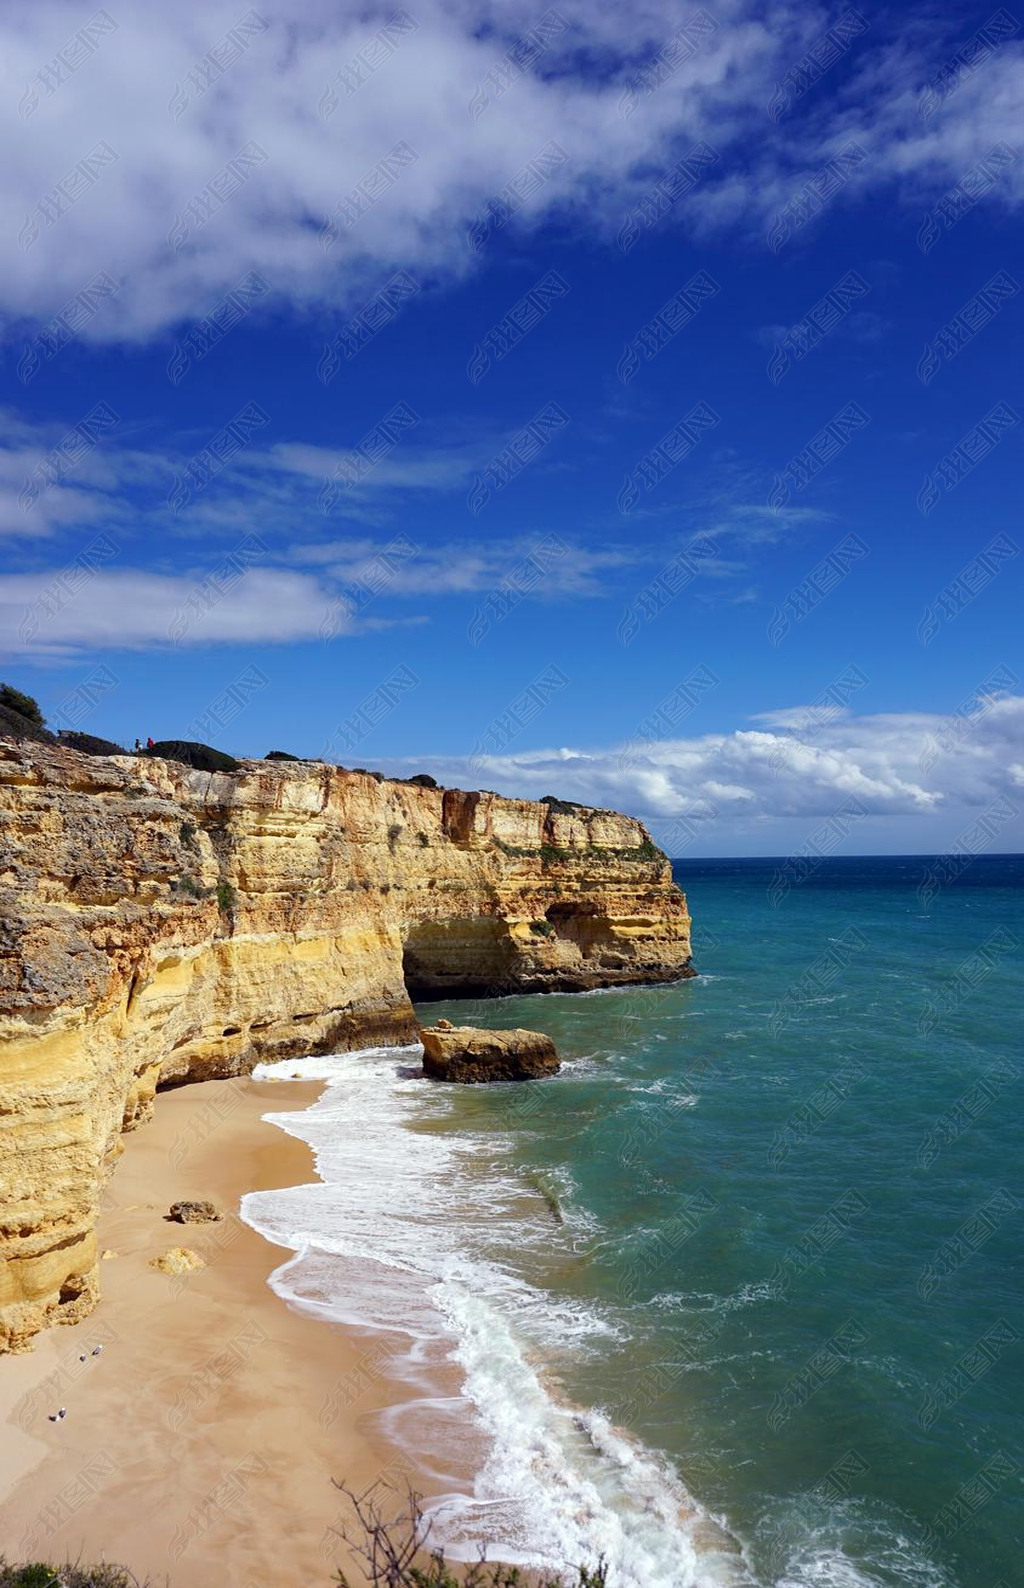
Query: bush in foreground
[[38, 1575], [396, 1554], [393, 1554]]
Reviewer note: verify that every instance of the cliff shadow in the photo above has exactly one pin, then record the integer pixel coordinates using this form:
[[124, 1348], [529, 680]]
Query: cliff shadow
[[459, 958]]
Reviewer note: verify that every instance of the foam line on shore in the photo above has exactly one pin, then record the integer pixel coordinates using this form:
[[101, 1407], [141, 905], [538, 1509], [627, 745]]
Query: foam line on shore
[[398, 1235]]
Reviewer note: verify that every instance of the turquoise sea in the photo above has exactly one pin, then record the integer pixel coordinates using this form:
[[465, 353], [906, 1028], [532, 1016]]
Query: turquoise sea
[[736, 1296]]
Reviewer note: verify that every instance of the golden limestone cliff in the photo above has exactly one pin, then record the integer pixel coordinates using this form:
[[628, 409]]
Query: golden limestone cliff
[[161, 925]]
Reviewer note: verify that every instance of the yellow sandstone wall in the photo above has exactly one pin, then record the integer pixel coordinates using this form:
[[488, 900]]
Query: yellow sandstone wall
[[161, 925]]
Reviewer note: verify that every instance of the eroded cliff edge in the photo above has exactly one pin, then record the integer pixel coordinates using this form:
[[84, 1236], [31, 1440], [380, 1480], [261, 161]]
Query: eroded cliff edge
[[161, 925]]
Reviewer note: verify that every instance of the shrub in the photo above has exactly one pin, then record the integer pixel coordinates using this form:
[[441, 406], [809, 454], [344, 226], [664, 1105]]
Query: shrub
[[88, 744], [226, 897], [393, 1554], [563, 807], [37, 1575], [190, 886], [280, 755], [203, 757], [394, 833], [542, 928], [187, 834], [24, 705], [14, 726], [423, 780], [424, 840]]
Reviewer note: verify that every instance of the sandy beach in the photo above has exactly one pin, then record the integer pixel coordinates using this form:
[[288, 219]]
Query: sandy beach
[[200, 1443]]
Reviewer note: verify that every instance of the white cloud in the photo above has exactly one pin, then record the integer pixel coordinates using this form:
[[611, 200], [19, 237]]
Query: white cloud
[[117, 490], [409, 468], [127, 91], [130, 609], [746, 785], [50, 480], [58, 475], [231, 601], [531, 565]]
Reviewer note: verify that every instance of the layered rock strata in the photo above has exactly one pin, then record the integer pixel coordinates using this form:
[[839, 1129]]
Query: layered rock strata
[[161, 925]]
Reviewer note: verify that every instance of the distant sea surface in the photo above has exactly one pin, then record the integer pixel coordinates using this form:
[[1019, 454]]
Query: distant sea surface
[[736, 1297]]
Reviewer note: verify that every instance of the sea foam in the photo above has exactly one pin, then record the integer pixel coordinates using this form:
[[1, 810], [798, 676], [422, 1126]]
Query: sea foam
[[399, 1235]]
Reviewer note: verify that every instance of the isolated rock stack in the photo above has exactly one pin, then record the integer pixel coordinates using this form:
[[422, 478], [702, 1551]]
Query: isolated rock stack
[[468, 1055]]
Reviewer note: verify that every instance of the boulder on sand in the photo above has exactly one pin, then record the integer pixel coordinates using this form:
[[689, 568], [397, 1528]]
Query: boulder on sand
[[194, 1213], [178, 1260], [468, 1055]]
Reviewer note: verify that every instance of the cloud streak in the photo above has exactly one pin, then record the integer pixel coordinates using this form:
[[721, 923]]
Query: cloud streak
[[311, 592]]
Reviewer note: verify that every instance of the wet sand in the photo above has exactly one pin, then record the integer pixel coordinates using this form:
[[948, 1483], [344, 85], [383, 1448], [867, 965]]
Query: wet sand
[[200, 1443]]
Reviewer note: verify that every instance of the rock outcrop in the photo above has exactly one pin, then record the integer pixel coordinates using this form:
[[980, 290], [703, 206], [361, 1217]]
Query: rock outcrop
[[160, 924], [468, 1054]]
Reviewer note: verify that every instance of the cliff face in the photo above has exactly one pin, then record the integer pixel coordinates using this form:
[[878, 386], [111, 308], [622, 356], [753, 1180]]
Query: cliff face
[[161, 925]]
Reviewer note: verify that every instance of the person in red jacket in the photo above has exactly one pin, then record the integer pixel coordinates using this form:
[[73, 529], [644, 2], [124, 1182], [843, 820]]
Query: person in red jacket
[[150, 742]]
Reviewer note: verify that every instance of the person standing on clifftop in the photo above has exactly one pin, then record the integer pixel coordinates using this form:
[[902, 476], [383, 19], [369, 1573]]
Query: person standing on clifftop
[[150, 742]]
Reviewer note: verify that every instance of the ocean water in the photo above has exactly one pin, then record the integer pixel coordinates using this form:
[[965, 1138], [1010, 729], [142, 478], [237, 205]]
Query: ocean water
[[735, 1298]]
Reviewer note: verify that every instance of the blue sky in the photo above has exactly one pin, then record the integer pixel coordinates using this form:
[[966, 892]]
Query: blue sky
[[559, 402]]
